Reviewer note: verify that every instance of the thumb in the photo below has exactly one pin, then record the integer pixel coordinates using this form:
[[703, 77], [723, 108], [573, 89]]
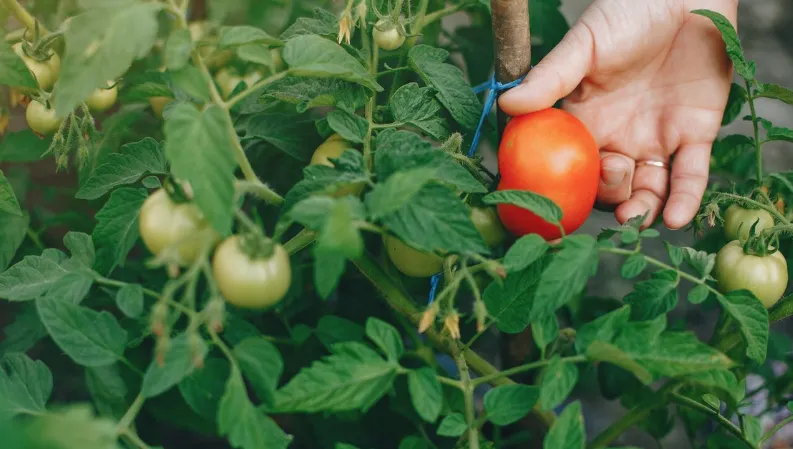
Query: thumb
[[555, 77]]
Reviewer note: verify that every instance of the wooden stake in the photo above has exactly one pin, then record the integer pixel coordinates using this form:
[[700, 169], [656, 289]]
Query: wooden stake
[[512, 42]]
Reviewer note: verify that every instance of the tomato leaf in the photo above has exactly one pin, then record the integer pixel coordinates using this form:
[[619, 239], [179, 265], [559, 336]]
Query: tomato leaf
[[436, 219], [246, 426], [397, 191], [23, 146], [770, 90], [567, 432], [332, 329], [548, 24], [13, 228], [8, 200], [723, 382], [675, 254], [116, 229], [73, 425], [203, 389], [386, 337], [537, 204], [101, 44], [654, 297], [314, 211], [25, 385], [30, 278], [129, 300], [566, 275], [314, 56], [354, 377], [780, 134], [698, 294], [307, 93], [426, 394], [452, 90], [524, 252], [338, 240], [414, 442], [633, 266], [605, 352], [510, 303], [178, 364], [507, 404], [261, 363], [24, 332], [545, 331], [191, 81], [604, 328], [320, 178], [700, 261], [292, 134], [452, 425], [558, 380], [734, 49], [351, 127], [674, 354], [244, 34], [90, 338], [752, 320], [177, 49], [323, 23], [198, 147], [125, 167], [418, 106], [72, 288], [13, 71], [735, 103]]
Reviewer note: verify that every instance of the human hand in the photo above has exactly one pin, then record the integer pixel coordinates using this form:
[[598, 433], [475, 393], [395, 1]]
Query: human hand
[[650, 80]]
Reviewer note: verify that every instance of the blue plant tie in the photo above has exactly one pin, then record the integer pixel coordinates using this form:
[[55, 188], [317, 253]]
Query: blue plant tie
[[494, 88]]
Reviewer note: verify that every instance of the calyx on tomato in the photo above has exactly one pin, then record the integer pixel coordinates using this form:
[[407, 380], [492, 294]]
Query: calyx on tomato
[[388, 35], [551, 153], [44, 68], [766, 276]]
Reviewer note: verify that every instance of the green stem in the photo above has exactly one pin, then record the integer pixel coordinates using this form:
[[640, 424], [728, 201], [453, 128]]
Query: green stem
[[260, 189], [134, 439], [659, 264], [756, 126], [300, 241], [527, 367], [415, 30], [245, 93], [441, 13], [24, 17], [468, 393], [34, 237], [722, 421], [768, 208], [776, 429], [132, 412], [370, 107], [118, 284], [450, 382]]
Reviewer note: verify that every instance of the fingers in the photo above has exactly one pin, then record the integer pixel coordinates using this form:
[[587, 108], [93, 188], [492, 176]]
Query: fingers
[[616, 177], [650, 189], [689, 181], [555, 77]]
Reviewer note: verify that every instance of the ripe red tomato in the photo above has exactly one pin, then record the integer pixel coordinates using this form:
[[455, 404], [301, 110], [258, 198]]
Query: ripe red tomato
[[551, 153]]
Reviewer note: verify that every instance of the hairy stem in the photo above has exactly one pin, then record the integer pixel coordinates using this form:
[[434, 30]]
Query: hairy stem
[[527, 367], [756, 125], [468, 393], [722, 421]]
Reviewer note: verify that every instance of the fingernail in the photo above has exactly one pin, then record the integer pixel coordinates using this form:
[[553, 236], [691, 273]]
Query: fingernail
[[613, 171]]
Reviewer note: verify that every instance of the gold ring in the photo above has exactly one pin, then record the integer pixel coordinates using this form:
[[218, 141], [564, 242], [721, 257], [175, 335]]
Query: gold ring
[[653, 163]]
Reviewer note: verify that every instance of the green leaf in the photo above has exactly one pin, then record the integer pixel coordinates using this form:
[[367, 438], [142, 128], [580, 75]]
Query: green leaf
[[314, 56], [752, 428], [524, 252], [675, 254], [320, 178], [203, 389], [177, 49], [417, 106], [558, 380], [25, 386], [13, 71], [397, 191], [24, 332], [261, 363], [674, 354], [13, 228], [191, 81], [722, 381], [780, 134], [730, 36], [700, 261], [309, 93], [426, 394], [436, 219], [332, 329], [257, 54], [633, 266], [81, 247], [73, 426], [323, 23], [545, 331], [199, 148], [351, 127], [107, 389], [452, 425], [769, 90], [116, 229], [654, 297], [292, 135], [698, 294], [101, 44], [338, 240], [8, 200], [30, 278], [243, 35], [72, 288], [566, 275], [567, 432], [735, 103], [511, 303], [244, 425], [507, 404], [177, 364], [129, 300], [90, 338], [752, 320], [452, 90], [386, 337], [353, 378], [605, 352], [537, 204], [413, 442], [23, 146]]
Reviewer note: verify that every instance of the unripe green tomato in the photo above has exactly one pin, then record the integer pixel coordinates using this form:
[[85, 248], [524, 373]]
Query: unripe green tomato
[[387, 36], [765, 276], [333, 148], [486, 221], [42, 119], [251, 283], [45, 72], [103, 99], [158, 105], [163, 223], [278, 60], [738, 221], [412, 262]]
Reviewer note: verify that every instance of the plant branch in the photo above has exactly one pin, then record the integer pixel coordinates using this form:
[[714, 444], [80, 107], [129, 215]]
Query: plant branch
[[441, 13], [254, 88], [755, 124], [260, 189], [132, 412], [704, 409], [468, 394], [134, 439], [776, 429], [527, 367], [22, 14]]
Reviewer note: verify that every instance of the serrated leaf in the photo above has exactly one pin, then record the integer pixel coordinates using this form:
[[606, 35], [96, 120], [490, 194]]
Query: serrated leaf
[[633, 266], [129, 300], [511, 303], [107, 389], [452, 425], [780, 134], [698, 294], [134, 160], [735, 104], [386, 337], [323, 23], [507, 404], [545, 331], [8, 200], [314, 56], [291, 134], [654, 297], [417, 106], [177, 49], [535, 203], [81, 247], [605, 352], [567, 432], [24, 332], [338, 240], [675, 254], [452, 90], [770, 90], [101, 44], [191, 81], [675, 354], [242, 35], [203, 389], [198, 147], [604, 328], [752, 320], [524, 252], [13, 228], [332, 329], [351, 127], [30, 278], [309, 93], [425, 393], [13, 71], [25, 386], [177, 364], [262, 365], [72, 288], [566, 275], [90, 338], [399, 189], [558, 380], [23, 146], [700, 261], [733, 44], [721, 380], [116, 230]]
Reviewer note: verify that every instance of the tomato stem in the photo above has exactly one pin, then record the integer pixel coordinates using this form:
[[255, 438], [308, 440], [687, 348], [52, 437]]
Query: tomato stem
[[704, 409], [756, 125], [24, 17], [468, 393]]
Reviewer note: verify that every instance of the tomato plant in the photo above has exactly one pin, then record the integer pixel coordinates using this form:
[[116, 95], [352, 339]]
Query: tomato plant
[[550, 153], [274, 229]]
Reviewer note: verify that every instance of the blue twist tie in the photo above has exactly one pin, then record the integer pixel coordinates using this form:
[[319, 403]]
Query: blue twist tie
[[495, 88]]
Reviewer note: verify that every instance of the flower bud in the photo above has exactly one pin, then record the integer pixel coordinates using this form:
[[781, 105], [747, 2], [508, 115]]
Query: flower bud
[[452, 324], [480, 312], [428, 318], [196, 345], [215, 313], [161, 348], [159, 316]]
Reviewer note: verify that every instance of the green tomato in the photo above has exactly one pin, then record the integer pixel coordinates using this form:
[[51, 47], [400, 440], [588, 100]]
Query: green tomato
[[486, 221], [387, 35], [163, 223], [766, 276], [412, 262], [103, 99], [45, 72], [158, 105], [278, 60], [738, 221], [41, 119], [251, 283], [333, 148]]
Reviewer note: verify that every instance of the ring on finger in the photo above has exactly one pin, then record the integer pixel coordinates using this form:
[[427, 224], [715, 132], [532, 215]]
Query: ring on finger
[[652, 163]]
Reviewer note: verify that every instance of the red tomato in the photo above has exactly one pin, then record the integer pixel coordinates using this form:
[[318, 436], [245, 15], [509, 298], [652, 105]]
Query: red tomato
[[550, 153]]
